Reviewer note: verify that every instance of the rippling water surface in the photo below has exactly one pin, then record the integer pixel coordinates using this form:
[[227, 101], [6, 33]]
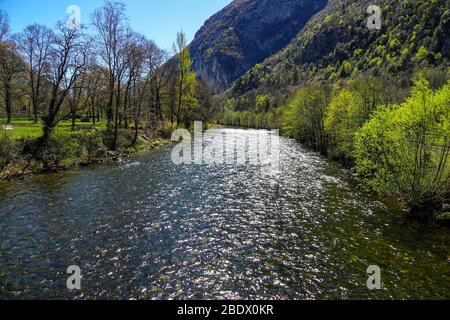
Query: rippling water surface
[[147, 229]]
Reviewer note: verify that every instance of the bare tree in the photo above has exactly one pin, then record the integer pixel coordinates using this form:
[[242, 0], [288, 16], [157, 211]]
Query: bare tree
[[35, 43], [122, 64], [135, 52], [67, 59], [141, 63], [109, 22], [11, 65], [161, 77], [75, 97], [95, 89]]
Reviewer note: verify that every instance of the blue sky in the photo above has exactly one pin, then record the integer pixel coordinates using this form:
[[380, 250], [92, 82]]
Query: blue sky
[[157, 19]]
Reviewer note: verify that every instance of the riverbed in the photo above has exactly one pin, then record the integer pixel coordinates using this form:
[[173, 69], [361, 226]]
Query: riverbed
[[146, 228]]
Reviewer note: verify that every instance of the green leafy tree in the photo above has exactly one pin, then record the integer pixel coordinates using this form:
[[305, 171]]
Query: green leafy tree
[[303, 117], [263, 103], [342, 121], [186, 84], [421, 54], [348, 110], [405, 149]]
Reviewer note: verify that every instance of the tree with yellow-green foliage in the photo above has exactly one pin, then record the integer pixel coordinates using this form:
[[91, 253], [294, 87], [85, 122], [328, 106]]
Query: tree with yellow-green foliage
[[348, 111], [304, 115], [404, 149], [263, 103], [186, 84], [342, 121]]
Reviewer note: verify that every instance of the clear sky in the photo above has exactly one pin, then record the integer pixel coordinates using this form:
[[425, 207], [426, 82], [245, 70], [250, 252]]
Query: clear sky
[[159, 20]]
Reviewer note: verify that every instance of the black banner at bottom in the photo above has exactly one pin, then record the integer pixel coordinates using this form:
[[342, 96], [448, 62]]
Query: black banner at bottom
[[224, 309]]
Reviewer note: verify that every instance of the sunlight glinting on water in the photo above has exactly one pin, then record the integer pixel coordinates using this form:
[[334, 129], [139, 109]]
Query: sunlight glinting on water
[[148, 229]]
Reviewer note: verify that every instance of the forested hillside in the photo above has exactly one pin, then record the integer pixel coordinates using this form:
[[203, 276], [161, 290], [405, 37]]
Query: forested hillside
[[337, 43]]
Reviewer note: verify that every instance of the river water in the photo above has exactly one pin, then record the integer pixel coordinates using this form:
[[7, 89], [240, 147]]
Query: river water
[[148, 229]]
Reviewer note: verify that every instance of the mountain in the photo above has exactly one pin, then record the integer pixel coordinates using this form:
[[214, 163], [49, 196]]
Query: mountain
[[243, 34], [337, 43]]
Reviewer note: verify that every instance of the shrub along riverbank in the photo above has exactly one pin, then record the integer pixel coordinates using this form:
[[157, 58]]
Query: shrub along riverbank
[[397, 149], [395, 138], [64, 149]]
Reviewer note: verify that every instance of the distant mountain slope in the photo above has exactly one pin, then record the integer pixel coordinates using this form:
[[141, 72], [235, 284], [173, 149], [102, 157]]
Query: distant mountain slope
[[337, 42], [245, 33]]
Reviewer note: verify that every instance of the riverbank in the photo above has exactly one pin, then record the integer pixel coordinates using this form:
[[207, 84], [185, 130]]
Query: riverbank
[[19, 158], [67, 149]]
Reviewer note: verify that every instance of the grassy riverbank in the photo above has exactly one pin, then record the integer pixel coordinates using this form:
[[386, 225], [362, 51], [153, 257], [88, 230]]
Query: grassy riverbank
[[25, 128], [68, 147]]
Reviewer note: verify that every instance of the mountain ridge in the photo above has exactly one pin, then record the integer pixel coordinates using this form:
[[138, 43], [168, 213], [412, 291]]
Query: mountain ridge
[[243, 34], [336, 43]]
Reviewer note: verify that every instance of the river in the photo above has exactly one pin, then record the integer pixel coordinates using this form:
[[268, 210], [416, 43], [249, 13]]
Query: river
[[146, 228]]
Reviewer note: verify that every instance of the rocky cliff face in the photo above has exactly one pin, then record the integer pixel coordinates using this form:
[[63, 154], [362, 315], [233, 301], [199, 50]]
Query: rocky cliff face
[[245, 33]]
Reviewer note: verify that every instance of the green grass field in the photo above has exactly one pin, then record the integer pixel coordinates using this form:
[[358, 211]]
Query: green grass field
[[24, 128]]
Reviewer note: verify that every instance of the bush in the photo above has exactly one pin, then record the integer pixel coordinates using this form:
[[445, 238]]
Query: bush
[[64, 149], [92, 145], [61, 149], [165, 132], [9, 150], [124, 139], [405, 149]]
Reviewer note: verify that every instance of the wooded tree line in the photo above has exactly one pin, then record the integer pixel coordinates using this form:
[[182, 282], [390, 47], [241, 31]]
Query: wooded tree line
[[395, 135], [397, 138], [107, 72]]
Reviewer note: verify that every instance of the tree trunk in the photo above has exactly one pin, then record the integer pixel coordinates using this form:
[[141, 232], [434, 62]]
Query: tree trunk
[[74, 118], [29, 110], [35, 117], [8, 102], [109, 109], [116, 121], [427, 208], [93, 115]]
